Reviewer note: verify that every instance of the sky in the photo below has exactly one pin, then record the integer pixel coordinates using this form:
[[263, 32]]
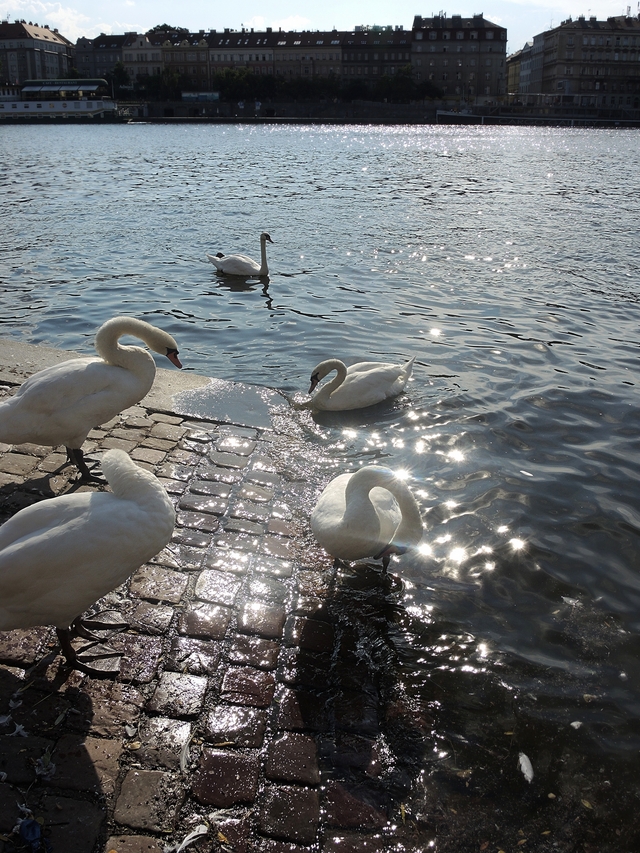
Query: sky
[[522, 18]]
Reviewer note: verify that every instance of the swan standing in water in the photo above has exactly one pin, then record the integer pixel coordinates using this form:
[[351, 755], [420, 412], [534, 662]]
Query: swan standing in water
[[242, 264], [370, 513], [59, 556], [61, 404], [361, 385]]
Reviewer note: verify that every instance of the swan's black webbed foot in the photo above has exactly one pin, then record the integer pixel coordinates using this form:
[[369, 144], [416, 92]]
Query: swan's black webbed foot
[[95, 659], [99, 627], [76, 457]]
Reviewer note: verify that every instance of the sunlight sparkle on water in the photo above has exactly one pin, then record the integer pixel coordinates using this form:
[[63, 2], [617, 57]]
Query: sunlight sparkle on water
[[402, 474], [516, 544], [456, 455], [424, 549], [503, 528], [435, 332], [458, 555]]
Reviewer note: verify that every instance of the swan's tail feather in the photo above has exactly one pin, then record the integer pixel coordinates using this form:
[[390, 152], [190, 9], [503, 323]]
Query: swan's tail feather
[[125, 477]]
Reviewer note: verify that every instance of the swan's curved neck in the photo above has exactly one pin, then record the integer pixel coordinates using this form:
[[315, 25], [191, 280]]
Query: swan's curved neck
[[131, 358], [264, 269], [341, 373], [410, 529]]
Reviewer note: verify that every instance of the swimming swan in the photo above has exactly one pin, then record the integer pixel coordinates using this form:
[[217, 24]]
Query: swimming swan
[[242, 264], [61, 404], [370, 513], [59, 556], [361, 385]]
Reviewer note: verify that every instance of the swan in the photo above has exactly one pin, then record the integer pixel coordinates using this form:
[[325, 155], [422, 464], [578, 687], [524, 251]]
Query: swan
[[369, 513], [61, 404], [59, 556], [242, 264], [358, 386]]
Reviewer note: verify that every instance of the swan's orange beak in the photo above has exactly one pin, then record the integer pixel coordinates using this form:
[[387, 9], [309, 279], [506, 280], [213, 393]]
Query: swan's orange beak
[[172, 355]]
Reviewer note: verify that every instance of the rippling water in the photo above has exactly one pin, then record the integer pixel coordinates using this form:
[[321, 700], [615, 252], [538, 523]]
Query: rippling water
[[506, 260]]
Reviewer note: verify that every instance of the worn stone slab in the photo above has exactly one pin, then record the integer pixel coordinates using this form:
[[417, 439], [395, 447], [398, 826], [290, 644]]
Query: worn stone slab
[[293, 758], [230, 402], [302, 710], [86, 764], [202, 522], [140, 656], [246, 686], [203, 503], [254, 651], [236, 444], [162, 741], [201, 619], [18, 757], [24, 647], [262, 619], [149, 799], [347, 811], [71, 825], [105, 707], [158, 584], [197, 657], [310, 634], [178, 695], [152, 618], [292, 813], [224, 779], [217, 587], [230, 725]]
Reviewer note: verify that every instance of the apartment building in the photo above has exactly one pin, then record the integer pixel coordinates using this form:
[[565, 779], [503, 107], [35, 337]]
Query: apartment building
[[245, 48], [29, 52], [369, 53], [97, 57], [464, 57]]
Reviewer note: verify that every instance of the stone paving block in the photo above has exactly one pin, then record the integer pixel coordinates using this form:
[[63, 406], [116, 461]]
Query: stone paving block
[[228, 460], [230, 476], [247, 686], [172, 487], [304, 668], [24, 647], [293, 758], [217, 587], [242, 525], [118, 443], [229, 560], [197, 657], [149, 799], [70, 825], [272, 565], [31, 449], [278, 527], [347, 811], [292, 813], [141, 655], [356, 842], [263, 464], [105, 707], [303, 710], [237, 542], [310, 634], [162, 742], [234, 429], [86, 764], [133, 844], [234, 833], [255, 493], [9, 811], [275, 546], [250, 511], [17, 463], [210, 487], [174, 471], [18, 757], [52, 462], [200, 521], [182, 557], [264, 478], [225, 778], [148, 454], [163, 418], [127, 432], [267, 588], [201, 619], [152, 618], [230, 725], [203, 503], [262, 619], [236, 444], [168, 431], [254, 651], [158, 444], [190, 538], [158, 584], [178, 695]]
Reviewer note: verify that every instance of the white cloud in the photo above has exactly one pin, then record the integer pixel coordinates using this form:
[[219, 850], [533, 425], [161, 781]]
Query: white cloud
[[296, 23]]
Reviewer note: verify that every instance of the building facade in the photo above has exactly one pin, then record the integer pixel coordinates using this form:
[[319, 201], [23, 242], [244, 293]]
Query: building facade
[[29, 51], [464, 57]]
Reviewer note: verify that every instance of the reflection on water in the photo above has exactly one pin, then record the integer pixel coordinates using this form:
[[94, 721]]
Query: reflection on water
[[506, 260]]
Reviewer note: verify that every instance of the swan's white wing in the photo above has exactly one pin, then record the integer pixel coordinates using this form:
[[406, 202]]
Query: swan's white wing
[[237, 265], [367, 383]]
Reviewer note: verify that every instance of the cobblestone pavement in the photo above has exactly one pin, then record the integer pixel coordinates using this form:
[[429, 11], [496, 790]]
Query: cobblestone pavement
[[246, 711]]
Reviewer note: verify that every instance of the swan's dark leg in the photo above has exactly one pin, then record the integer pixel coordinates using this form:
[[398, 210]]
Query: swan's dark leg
[[76, 457], [385, 562], [109, 624]]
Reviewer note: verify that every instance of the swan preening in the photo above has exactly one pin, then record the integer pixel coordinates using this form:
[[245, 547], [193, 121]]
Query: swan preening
[[61, 404], [370, 513], [242, 264], [59, 556], [358, 386]]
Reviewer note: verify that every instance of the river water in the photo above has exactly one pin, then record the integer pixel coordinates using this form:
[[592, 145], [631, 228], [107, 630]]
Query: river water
[[506, 260]]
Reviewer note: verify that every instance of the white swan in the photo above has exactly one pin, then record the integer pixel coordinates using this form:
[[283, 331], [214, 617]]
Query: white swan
[[370, 513], [361, 385], [59, 556], [61, 404], [242, 264]]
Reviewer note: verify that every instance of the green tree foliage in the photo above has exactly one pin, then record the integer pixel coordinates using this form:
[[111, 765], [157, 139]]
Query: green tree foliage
[[165, 28], [118, 79]]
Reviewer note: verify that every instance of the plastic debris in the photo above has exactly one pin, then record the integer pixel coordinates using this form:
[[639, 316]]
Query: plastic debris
[[30, 831], [198, 832], [525, 766]]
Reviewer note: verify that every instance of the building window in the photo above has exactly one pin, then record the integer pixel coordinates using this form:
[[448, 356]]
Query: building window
[[460, 34], [433, 35], [489, 34]]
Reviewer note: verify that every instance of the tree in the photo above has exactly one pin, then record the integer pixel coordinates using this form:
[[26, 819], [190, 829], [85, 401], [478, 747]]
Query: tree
[[118, 79], [165, 28]]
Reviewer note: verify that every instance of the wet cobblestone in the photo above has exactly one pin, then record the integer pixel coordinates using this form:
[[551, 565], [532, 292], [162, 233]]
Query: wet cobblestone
[[227, 711]]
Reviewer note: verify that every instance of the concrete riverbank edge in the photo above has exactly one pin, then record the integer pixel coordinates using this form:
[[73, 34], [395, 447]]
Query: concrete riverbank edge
[[240, 719]]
